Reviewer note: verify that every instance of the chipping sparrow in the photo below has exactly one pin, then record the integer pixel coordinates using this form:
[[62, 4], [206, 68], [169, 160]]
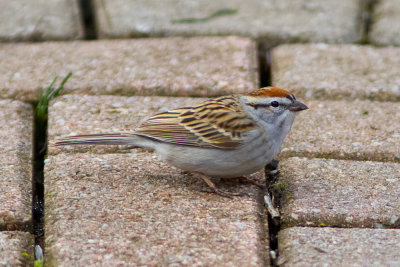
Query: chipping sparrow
[[227, 137]]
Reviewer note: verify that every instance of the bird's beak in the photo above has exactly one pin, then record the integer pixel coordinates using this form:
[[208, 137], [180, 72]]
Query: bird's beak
[[297, 106]]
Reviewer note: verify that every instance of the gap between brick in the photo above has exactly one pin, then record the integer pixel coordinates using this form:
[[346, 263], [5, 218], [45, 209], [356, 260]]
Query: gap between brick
[[273, 226], [40, 122], [39, 152], [366, 18], [88, 19], [264, 66]]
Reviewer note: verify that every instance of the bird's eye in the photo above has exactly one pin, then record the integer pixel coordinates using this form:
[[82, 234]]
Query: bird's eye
[[274, 104]]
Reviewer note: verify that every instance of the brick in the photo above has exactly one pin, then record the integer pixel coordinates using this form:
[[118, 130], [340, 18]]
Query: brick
[[361, 130], [16, 248], [304, 246], [271, 22], [386, 23], [16, 119], [348, 72], [163, 217], [168, 66], [26, 20], [339, 193], [131, 209]]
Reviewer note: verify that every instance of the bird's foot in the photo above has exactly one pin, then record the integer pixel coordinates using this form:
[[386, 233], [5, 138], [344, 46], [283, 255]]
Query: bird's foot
[[219, 191]]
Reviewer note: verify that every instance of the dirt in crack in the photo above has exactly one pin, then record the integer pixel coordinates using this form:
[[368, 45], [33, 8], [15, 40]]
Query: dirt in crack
[[367, 19], [88, 18], [275, 190], [264, 66], [39, 153], [39, 150], [271, 170]]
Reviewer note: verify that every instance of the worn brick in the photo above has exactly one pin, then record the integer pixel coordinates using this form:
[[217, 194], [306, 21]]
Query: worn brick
[[271, 22], [16, 248], [131, 209], [339, 193], [16, 120], [168, 66], [163, 217], [361, 130], [386, 23], [26, 20], [338, 71], [304, 246]]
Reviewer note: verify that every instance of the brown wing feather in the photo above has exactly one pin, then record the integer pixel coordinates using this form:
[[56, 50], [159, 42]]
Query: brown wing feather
[[216, 123]]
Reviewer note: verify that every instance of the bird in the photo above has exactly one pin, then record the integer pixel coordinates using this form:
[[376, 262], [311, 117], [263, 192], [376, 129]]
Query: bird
[[229, 136]]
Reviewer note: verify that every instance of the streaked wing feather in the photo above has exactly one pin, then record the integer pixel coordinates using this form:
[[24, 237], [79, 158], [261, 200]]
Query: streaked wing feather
[[216, 123]]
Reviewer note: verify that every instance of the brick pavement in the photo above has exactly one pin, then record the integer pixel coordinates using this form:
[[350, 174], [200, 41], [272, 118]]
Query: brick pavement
[[24, 20], [167, 66], [304, 246], [339, 167], [338, 72], [272, 22], [130, 209], [151, 196]]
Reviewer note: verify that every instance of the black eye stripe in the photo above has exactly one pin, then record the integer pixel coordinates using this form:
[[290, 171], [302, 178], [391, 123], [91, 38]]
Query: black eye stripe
[[256, 106], [275, 104]]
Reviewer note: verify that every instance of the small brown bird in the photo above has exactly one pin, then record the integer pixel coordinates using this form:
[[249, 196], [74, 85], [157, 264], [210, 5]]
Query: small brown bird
[[227, 137]]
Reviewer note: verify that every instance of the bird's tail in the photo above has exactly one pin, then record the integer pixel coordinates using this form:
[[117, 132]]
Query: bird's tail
[[98, 139]]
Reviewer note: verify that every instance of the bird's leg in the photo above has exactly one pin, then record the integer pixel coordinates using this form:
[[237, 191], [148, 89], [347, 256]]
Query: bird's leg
[[216, 190], [271, 170]]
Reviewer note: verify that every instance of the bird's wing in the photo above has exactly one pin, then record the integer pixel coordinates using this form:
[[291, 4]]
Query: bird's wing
[[216, 123]]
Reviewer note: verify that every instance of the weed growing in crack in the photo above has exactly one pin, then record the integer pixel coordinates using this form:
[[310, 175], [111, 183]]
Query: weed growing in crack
[[39, 152], [44, 97]]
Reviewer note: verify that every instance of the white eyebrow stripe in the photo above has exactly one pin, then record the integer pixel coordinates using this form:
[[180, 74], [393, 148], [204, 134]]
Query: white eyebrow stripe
[[291, 97]]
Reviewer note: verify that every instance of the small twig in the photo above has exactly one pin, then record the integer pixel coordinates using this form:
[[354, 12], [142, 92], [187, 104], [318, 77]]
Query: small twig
[[270, 207]]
